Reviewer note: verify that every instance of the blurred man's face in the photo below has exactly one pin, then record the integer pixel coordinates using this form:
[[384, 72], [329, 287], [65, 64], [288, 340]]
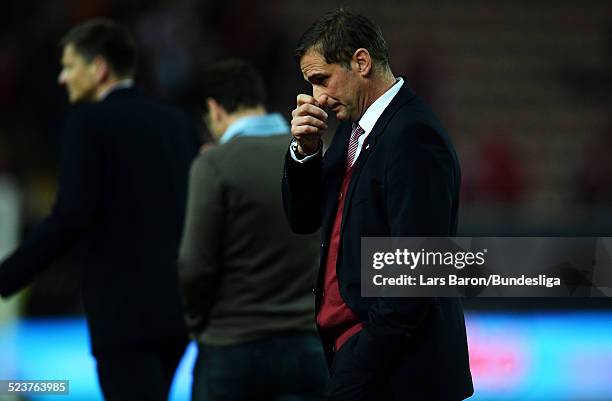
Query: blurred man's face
[[78, 76], [339, 86]]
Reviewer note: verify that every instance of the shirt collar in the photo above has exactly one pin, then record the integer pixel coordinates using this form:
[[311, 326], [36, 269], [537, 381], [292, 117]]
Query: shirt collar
[[373, 113], [259, 125], [124, 83]]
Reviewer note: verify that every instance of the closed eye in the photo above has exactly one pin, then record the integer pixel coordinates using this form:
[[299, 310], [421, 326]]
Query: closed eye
[[318, 79]]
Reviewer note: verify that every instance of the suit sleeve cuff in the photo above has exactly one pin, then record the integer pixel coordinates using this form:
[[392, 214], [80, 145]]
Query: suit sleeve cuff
[[303, 159]]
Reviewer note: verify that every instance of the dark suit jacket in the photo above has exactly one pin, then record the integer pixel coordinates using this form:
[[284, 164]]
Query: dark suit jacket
[[121, 199], [406, 183]]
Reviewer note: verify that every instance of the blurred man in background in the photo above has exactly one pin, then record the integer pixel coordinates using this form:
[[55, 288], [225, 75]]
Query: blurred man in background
[[121, 200], [390, 171], [245, 278]]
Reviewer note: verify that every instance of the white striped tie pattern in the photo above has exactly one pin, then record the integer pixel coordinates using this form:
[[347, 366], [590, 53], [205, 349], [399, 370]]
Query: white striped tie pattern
[[353, 144]]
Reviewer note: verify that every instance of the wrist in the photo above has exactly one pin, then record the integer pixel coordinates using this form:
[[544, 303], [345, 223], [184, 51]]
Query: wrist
[[299, 151]]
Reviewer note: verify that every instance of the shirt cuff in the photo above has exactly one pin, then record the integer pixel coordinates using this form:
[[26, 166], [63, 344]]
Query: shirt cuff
[[303, 159]]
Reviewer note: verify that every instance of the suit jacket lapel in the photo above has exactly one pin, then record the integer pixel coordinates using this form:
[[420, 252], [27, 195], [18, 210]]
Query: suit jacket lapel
[[404, 96]]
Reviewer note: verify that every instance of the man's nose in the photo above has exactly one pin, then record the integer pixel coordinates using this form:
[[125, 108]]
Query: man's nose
[[61, 78]]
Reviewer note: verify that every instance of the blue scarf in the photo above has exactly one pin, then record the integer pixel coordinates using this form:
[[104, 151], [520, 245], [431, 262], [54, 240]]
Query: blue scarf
[[264, 125]]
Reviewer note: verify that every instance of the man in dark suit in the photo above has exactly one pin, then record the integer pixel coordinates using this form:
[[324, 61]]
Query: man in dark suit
[[390, 171], [246, 279], [121, 199]]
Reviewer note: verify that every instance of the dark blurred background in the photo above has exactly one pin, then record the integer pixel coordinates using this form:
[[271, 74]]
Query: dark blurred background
[[523, 87]]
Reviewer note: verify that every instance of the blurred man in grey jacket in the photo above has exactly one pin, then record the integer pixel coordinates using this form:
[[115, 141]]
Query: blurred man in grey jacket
[[246, 279]]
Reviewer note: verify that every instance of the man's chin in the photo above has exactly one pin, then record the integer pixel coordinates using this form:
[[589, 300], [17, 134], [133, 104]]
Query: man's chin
[[74, 99]]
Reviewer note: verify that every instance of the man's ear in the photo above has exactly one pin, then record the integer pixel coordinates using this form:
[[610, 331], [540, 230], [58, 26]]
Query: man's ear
[[362, 62], [101, 69], [215, 110]]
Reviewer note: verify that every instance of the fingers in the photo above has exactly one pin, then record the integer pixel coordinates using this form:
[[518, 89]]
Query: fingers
[[308, 109], [308, 105], [306, 99], [309, 120], [299, 131], [303, 99]]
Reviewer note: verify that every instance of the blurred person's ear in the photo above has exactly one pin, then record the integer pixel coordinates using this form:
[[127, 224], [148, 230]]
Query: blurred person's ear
[[100, 69], [216, 118], [216, 112]]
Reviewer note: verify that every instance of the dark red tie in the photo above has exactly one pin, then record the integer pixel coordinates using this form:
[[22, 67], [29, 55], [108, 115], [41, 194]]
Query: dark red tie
[[353, 143]]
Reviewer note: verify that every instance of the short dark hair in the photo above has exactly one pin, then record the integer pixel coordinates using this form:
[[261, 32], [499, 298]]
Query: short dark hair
[[106, 38], [233, 84], [339, 33]]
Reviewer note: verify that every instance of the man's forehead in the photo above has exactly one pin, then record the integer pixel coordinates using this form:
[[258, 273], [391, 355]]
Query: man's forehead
[[70, 52], [313, 62], [69, 49]]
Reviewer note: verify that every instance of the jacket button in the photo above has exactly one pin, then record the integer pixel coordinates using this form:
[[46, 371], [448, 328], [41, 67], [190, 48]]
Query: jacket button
[[322, 245], [314, 290]]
